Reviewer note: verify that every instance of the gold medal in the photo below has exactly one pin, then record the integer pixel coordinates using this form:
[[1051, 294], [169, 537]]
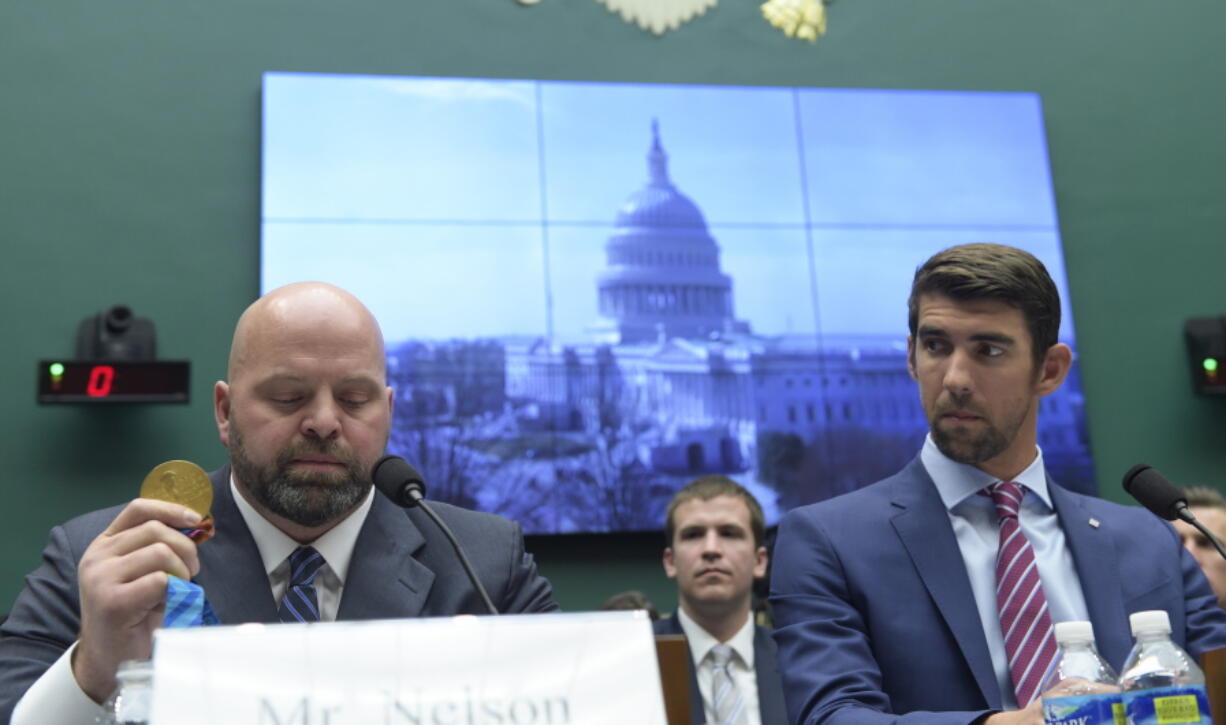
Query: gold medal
[[180, 482]]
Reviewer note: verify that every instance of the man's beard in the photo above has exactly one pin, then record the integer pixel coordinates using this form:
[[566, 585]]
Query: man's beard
[[308, 498], [979, 448]]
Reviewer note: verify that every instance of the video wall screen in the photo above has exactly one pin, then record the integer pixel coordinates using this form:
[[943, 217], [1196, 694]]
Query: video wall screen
[[594, 292]]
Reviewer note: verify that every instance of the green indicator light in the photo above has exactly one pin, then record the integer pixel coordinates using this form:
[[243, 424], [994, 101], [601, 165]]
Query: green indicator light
[[57, 369], [1210, 365]]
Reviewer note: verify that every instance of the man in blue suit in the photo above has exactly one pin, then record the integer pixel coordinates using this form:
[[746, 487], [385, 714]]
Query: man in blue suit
[[886, 599], [715, 532], [305, 412]]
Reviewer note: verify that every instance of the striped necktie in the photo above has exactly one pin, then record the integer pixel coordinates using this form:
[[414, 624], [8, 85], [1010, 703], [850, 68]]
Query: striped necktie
[[1024, 620], [727, 701], [300, 603]]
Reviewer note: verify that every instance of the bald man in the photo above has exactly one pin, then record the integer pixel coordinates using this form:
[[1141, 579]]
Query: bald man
[[305, 413]]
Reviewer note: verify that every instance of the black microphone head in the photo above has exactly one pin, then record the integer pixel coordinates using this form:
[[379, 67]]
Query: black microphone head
[[1154, 492], [396, 478]]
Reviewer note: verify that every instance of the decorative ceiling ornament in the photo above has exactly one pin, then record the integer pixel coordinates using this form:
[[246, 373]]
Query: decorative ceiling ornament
[[658, 15], [797, 18]]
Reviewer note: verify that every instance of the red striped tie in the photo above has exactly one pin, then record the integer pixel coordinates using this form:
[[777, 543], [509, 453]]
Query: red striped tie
[[1024, 619]]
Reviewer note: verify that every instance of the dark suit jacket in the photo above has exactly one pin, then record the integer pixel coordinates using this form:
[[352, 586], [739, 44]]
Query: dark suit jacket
[[402, 566], [875, 617], [766, 670]]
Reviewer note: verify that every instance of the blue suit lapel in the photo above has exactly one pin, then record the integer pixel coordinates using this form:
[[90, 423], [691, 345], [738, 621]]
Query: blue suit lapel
[[922, 524], [231, 570], [766, 670], [1098, 569], [384, 580]]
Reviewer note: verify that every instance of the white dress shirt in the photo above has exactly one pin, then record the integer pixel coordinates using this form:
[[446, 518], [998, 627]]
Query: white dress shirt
[[57, 698], [977, 529], [741, 666], [336, 547]]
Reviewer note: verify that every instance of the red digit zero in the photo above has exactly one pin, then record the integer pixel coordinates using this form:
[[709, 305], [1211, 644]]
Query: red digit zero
[[100, 379]]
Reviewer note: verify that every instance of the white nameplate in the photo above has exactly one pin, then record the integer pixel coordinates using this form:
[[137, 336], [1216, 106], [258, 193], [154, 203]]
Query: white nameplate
[[541, 669]]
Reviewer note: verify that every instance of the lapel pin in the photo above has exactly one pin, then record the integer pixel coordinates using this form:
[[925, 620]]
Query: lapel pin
[[1094, 523]]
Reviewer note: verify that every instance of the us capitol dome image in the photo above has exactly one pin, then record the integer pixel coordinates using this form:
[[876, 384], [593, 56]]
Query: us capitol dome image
[[666, 384]]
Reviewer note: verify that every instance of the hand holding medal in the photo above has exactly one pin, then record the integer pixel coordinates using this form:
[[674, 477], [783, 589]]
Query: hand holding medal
[[183, 482], [134, 577]]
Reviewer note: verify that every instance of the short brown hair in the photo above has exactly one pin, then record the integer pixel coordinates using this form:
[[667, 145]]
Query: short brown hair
[[705, 488], [993, 272], [631, 599], [1204, 497]]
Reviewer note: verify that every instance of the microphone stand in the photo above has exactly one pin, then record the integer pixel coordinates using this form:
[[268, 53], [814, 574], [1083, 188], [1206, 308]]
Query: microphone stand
[[401, 483], [415, 494], [1185, 515]]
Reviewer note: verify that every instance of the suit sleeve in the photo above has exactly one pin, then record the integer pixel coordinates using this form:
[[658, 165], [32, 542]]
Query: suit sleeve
[[829, 671], [43, 624], [526, 591]]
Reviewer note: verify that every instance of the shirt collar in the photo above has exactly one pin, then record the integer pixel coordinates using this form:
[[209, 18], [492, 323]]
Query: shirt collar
[[336, 544], [956, 482], [701, 641]]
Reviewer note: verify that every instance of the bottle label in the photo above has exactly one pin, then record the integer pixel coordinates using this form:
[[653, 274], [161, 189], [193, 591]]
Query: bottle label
[[1084, 710], [1168, 706]]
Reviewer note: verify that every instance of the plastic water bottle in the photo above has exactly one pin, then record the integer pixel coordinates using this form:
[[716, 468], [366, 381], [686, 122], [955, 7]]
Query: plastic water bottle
[[131, 702], [1085, 691], [1160, 681]]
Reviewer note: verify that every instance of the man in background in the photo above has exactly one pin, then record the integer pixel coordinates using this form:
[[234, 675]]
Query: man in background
[[930, 597], [1209, 507], [301, 535], [715, 532], [632, 599]]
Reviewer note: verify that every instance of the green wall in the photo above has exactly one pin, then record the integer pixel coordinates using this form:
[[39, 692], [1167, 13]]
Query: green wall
[[129, 168]]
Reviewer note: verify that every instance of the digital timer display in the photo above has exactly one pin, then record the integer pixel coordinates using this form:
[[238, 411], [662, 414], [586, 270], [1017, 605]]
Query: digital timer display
[[113, 381]]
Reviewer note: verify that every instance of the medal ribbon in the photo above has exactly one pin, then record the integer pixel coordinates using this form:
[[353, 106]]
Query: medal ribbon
[[186, 605]]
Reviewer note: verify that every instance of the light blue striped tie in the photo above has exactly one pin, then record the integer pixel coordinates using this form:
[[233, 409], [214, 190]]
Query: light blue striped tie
[[727, 701], [300, 603]]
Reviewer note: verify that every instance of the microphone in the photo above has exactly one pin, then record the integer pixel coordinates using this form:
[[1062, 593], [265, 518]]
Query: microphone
[[401, 483], [1156, 493], [1164, 499]]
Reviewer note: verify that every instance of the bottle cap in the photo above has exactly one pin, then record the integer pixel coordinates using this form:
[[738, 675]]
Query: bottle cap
[[1153, 621], [1074, 632]]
